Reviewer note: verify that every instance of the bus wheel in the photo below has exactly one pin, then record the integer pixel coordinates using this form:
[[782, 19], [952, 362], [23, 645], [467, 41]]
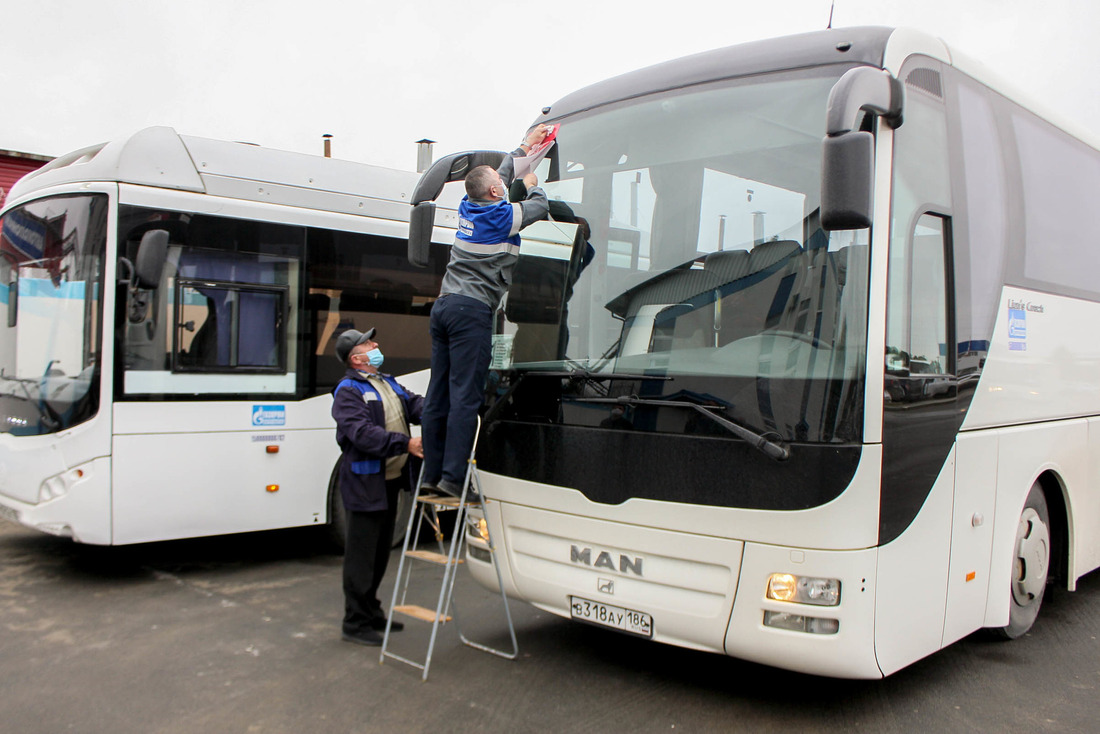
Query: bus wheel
[[1030, 565]]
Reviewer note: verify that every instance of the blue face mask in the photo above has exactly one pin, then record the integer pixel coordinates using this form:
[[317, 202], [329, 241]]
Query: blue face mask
[[375, 357]]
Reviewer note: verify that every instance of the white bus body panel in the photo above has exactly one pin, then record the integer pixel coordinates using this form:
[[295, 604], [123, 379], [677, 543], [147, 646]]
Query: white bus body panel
[[64, 492], [686, 582], [1044, 368], [849, 653], [912, 581], [1041, 372], [187, 469]]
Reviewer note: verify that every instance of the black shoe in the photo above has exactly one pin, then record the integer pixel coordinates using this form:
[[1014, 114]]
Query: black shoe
[[428, 488], [446, 486], [370, 638], [380, 624]]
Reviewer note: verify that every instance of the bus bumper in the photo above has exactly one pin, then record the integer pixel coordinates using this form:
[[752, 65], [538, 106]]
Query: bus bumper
[[697, 592], [832, 640], [74, 503]]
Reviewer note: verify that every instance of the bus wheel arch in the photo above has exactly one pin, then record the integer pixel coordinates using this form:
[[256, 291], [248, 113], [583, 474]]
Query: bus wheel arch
[[1035, 560], [1054, 491]]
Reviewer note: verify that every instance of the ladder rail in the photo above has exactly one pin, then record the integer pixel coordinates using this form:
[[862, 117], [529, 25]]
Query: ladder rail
[[500, 585], [427, 509]]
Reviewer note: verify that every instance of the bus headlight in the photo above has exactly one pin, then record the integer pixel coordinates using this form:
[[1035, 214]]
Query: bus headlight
[[803, 589], [478, 527]]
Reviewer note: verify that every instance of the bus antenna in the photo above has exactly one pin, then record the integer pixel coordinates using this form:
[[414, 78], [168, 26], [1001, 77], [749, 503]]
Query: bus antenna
[[832, 7]]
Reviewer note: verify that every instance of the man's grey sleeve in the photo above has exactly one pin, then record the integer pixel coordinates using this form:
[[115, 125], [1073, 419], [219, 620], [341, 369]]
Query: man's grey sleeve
[[535, 206], [507, 167]]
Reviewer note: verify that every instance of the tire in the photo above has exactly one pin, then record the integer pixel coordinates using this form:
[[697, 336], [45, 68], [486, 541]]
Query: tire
[[337, 527], [1030, 565]]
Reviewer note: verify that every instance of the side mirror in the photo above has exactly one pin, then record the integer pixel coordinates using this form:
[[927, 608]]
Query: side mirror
[[151, 255], [847, 173], [421, 222], [453, 167], [847, 156]]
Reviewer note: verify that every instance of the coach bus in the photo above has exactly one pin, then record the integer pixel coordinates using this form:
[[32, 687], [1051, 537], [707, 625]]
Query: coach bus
[[168, 313], [826, 397]]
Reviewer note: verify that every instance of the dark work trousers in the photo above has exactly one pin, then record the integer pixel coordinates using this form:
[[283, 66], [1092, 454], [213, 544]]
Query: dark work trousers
[[462, 341], [366, 555]]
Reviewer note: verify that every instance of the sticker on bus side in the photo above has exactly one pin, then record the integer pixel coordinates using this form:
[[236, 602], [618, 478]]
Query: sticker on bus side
[[1017, 329], [268, 415]]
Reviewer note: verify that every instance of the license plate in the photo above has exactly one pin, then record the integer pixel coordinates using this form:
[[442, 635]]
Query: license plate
[[607, 615]]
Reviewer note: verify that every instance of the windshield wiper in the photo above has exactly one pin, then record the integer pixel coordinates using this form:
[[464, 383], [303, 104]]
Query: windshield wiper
[[580, 373], [758, 441], [577, 373]]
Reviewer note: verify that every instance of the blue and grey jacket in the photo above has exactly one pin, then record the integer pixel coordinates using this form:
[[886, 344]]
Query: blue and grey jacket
[[486, 247], [364, 440]]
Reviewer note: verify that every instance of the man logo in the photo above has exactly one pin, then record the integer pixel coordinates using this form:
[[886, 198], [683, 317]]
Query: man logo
[[627, 564]]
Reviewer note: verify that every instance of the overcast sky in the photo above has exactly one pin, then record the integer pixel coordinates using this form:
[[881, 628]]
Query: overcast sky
[[380, 75]]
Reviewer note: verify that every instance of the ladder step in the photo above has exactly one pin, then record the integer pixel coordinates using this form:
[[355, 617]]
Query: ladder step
[[422, 613], [445, 501], [431, 557]]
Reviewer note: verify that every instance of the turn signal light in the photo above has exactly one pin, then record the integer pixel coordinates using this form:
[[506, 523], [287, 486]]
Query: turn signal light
[[273, 488], [272, 449]]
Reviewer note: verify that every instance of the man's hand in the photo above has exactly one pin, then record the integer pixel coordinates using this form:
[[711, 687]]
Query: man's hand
[[530, 181], [536, 136], [416, 447]]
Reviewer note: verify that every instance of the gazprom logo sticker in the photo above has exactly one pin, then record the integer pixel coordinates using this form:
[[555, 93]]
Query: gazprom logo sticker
[[268, 415]]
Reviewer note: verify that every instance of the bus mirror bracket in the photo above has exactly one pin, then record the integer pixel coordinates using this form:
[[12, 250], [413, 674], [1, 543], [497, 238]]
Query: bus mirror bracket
[[848, 153], [13, 291], [453, 167]]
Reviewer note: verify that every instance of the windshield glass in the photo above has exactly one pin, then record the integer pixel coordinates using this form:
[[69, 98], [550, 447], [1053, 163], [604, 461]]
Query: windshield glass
[[692, 252], [50, 314]]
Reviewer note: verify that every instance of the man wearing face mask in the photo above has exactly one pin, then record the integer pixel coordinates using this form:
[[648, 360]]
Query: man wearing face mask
[[483, 257], [372, 413]]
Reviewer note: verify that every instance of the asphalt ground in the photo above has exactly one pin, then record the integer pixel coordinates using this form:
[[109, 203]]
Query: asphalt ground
[[241, 634]]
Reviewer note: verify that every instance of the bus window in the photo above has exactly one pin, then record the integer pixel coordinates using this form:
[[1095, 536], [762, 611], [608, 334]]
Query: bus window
[[223, 317], [53, 253], [917, 357]]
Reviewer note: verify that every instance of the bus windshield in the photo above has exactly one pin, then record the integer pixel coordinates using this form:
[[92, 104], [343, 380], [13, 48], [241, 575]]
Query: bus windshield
[[51, 289], [699, 260]]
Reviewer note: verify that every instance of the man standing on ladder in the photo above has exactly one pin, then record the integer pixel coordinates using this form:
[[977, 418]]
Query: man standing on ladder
[[483, 256], [372, 414]]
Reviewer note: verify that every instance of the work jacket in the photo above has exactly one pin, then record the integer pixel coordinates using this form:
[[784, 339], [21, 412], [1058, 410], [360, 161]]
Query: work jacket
[[365, 442]]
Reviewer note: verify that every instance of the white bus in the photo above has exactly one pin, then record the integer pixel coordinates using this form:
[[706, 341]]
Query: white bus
[[168, 313], [827, 396]]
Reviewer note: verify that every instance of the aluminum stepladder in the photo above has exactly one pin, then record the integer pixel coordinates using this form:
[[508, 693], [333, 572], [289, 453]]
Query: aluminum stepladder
[[426, 508]]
